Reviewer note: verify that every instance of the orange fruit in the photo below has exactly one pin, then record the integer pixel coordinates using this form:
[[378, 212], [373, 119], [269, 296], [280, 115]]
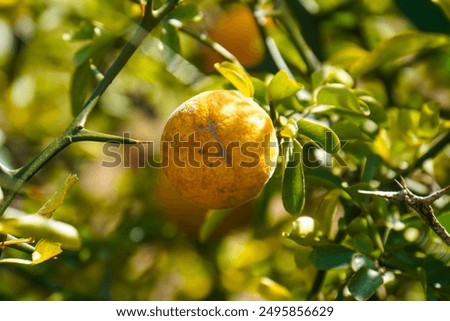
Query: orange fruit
[[236, 30], [218, 149]]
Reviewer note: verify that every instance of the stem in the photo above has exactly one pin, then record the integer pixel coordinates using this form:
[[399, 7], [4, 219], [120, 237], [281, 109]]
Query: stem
[[26, 172], [312, 62], [204, 39], [75, 131], [317, 285], [271, 46]]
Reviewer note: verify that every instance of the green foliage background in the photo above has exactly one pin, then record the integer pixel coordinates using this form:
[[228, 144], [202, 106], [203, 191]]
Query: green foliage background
[[383, 88]]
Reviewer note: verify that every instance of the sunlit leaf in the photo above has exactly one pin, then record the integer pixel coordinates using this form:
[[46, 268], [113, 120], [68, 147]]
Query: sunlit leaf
[[429, 120], [331, 256], [44, 251], [282, 86], [272, 290], [341, 97], [397, 47], [305, 231], [322, 135], [37, 226], [57, 198], [363, 284], [237, 76], [293, 190], [330, 74], [362, 261]]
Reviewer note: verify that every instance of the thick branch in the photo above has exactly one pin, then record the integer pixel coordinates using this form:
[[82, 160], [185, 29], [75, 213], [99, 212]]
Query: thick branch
[[420, 204]]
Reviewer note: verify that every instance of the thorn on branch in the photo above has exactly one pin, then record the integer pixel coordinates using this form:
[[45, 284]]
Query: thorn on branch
[[420, 204]]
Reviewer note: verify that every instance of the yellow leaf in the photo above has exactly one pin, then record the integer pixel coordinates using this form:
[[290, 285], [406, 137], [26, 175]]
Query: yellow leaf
[[44, 251], [237, 76]]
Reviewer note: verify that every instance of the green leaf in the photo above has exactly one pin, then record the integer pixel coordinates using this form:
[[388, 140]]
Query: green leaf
[[322, 135], [301, 258], [186, 12], [83, 78], [371, 165], [260, 91], [429, 120], [362, 261], [363, 284], [340, 97], [82, 55], [237, 76], [444, 218], [397, 47], [37, 226], [330, 74], [44, 251], [57, 198], [171, 40], [81, 85], [328, 209], [293, 189], [331, 256], [363, 243], [349, 130], [282, 86], [86, 31]]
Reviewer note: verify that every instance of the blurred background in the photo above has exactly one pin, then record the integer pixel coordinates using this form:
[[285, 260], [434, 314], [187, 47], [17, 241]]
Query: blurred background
[[140, 241]]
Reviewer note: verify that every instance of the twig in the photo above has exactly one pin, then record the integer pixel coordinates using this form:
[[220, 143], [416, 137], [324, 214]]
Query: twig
[[312, 62], [421, 204], [271, 46], [207, 41]]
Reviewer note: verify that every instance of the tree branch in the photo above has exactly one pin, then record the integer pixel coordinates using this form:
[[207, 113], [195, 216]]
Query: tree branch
[[75, 131], [420, 204]]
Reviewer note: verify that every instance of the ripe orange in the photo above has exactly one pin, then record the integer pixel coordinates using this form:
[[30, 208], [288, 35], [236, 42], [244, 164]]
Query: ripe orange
[[237, 31], [219, 148]]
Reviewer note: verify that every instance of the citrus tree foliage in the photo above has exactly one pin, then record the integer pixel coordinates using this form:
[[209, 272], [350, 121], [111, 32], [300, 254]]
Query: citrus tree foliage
[[358, 93]]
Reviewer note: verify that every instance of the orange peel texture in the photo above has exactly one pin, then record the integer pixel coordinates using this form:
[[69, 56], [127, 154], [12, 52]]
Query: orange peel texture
[[219, 148]]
